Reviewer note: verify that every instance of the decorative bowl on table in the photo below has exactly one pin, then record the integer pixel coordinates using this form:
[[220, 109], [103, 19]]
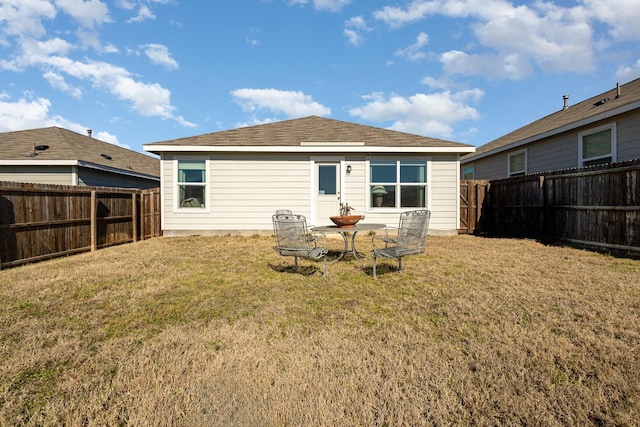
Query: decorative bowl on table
[[346, 221]]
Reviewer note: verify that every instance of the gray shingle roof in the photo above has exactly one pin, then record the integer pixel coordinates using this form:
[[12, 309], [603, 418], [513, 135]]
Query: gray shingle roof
[[583, 111], [67, 145], [308, 130]]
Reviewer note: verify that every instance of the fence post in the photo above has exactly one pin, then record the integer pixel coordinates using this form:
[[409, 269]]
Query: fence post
[[94, 220], [152, 208], [134, 216]]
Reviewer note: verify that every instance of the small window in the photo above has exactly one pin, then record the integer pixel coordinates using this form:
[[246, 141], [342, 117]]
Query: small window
[[467, 172], [597, 147], [192, 183], [398, 183], [518, 163]]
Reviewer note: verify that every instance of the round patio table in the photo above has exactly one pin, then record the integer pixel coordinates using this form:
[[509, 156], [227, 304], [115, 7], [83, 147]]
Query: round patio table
[[349, 235]]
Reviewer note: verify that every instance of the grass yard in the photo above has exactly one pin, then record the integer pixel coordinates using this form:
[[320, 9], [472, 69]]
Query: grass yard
[[219, 331]]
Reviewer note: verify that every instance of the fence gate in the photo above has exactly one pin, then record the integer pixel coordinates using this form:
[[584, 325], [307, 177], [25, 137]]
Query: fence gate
[[472, 194]]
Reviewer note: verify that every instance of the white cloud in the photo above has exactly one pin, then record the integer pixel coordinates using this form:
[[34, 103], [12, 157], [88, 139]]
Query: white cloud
[[57, 82], [413, 52], [148, 99], [110, 138], [25, 114], [546, 35], [125, 4], [626, 74], [489, 66], [353, 37], [622, 16], [88, 12], [159, 54], [24, 18], [353, 29], [144, 13], [290, 103], [424, 114], [396, 17], [330, 5]]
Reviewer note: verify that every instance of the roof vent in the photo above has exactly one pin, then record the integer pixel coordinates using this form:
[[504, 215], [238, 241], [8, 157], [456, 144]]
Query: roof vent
[[106, 156], [618, 90], [602, 101], [37, 148], [89, 132], [566, 102]]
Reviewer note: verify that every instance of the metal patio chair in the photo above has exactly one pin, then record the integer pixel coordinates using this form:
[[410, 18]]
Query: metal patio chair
[[311, 236], [410, 238], [294, 239]]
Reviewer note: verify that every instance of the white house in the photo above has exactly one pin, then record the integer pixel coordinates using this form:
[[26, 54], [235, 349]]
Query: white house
[[231, 182]]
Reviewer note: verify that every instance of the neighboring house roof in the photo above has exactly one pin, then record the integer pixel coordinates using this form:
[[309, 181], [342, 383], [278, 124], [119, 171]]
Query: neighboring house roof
[[599, 107], [70, 148], [317, 134]]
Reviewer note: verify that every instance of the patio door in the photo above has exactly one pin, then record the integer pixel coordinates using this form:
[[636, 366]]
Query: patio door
[[327, 191]]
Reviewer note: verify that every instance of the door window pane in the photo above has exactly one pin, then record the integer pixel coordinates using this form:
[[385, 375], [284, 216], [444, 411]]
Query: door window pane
[[327, 183]]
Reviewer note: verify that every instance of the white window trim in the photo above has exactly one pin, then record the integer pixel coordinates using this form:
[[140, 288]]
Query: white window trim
[[427, 185], [516, 153], [614, 143], [176, 188]]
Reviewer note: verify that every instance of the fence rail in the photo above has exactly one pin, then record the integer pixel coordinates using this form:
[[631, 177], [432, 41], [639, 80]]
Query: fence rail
[[593, 207], [40, 221]]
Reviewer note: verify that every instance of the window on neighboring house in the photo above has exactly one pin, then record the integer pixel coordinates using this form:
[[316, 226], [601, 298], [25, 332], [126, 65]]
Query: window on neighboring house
[[467, 172], [192, 183], [517, 163], [398, 183], [597, 147]]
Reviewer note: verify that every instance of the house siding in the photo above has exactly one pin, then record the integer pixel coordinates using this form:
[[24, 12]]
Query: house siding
[[37, 174], [629, 136], [561, 151], [94, 177], [244, 190]]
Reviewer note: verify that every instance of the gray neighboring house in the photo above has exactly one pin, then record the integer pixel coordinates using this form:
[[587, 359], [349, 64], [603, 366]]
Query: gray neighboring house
[[59, 156], [601, 129], [233, 181]]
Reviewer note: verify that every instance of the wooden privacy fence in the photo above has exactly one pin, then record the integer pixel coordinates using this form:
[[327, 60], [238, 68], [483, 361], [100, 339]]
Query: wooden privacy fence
[[472, 194], [40, 221], [596, 207]]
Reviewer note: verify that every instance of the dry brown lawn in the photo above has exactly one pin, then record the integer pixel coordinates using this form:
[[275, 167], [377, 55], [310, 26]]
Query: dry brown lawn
[[219, 331]]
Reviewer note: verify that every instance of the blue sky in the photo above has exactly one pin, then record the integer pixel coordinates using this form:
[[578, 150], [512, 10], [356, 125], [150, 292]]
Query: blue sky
[[142, 71]]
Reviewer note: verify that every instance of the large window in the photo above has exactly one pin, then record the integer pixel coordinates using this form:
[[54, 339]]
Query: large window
[[398, 183], [518, 163], [192, 183], [597, 147]]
